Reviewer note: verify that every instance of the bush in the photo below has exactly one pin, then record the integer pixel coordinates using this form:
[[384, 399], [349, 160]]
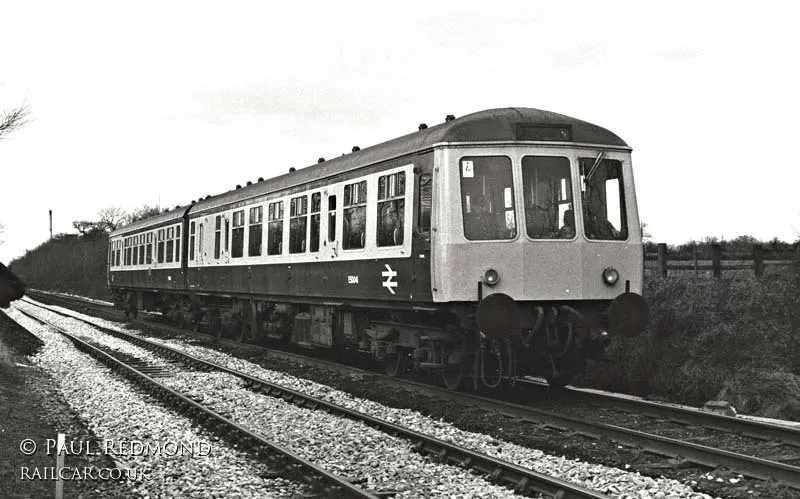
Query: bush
[[734, 339], [67, 263]]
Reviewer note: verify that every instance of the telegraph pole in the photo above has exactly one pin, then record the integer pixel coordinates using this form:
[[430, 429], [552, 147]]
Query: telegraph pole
[[51, 224]]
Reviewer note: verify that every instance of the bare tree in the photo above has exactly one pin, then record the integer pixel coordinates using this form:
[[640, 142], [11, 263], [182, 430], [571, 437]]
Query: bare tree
[[87, 227], [145, 211], [111, 218], [646, 236], [2, 228], [11, 120]]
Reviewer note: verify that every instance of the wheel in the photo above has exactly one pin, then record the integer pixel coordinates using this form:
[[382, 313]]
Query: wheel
[[394, 363], [452, 376]]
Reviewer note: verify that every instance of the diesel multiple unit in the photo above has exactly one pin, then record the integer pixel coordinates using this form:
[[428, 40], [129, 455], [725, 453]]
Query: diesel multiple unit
[[499, 244]]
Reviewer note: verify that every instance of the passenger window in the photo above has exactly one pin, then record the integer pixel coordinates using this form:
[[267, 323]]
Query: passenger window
[[217, 234], [170, 244], [191, 240], [256, 219], [316, 202], [227, 233], [298, 224], [547, 184], [487, 198], [354, 217], [202, 242], [178, 243], [331, 218], [237, 249], [391, 209], [161, 246], [149, 248], [275, 236]]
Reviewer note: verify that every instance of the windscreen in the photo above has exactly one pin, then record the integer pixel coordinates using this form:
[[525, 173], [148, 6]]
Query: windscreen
[[603, 198], [487, 198], [547, 185]]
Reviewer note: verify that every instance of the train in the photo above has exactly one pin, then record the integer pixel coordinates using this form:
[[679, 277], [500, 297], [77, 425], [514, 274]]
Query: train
[[500, 244], [11, 287]]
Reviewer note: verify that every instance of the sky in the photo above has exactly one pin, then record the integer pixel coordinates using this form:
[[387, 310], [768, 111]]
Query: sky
[[162, 102]]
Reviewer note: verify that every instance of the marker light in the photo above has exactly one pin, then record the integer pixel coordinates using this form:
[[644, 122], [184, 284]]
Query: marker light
[[491, 277], [610, 276]]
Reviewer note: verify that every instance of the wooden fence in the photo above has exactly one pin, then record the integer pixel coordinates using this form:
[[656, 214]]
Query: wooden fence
[[757, 260]]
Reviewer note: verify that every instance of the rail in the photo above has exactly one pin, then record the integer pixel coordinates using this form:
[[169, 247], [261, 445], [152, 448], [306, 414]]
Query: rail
[[296, 467], [522, 480]]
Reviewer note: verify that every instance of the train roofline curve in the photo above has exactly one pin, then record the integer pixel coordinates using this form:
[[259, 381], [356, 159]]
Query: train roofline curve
[[493, 125]]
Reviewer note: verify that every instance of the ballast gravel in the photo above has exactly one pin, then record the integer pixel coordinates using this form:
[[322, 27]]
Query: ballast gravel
[[612, 481], [115, 411], [350, 449]]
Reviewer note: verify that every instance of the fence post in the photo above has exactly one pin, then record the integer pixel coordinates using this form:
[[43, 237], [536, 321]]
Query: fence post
[[694, 254], [662, 259], [758, 260], [716, 259]]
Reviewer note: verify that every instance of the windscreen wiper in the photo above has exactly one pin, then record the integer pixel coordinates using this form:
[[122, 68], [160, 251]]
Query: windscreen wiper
[[596, 164]]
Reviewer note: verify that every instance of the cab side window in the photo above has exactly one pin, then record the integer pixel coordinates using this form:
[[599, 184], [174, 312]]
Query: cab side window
[[425, 203]]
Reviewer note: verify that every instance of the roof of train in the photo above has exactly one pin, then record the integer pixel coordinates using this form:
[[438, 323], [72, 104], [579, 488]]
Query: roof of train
[[493, 125]]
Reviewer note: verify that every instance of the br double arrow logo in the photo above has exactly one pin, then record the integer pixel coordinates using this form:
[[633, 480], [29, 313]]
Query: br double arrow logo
[[389, 274]]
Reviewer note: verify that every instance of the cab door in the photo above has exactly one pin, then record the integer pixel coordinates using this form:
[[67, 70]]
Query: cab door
[[422, 237]]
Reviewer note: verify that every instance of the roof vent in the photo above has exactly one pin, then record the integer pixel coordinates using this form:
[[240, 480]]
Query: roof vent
[[449, 117], [249, 183], [423, 126], [208, 197], [193, 201], [260, 179], [177, 206], [292, 169], [238, 186], [321, 160], [356, 148]]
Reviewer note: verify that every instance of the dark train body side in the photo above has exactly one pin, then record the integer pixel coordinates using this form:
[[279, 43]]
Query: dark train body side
[[436, 297]]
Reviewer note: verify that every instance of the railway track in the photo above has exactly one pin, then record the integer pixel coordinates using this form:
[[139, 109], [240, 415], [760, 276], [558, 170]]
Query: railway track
[[521, 480], [145, 373], [679, 450]]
